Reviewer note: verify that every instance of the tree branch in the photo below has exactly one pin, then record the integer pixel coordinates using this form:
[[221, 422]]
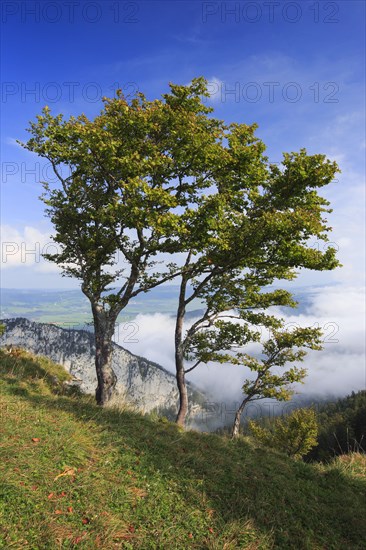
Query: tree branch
[[194, 366]]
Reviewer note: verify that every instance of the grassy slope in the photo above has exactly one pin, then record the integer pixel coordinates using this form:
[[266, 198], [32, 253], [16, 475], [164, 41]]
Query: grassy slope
[[135, 482]]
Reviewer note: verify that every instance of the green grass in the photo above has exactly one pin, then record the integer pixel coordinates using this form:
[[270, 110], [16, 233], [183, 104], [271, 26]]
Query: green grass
[[136, 482]]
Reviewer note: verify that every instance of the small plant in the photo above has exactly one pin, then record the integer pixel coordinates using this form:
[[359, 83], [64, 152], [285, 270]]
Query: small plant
[[294, 434]]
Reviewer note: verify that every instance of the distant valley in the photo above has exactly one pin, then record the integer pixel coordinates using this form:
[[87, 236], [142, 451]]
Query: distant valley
[[71, 309]]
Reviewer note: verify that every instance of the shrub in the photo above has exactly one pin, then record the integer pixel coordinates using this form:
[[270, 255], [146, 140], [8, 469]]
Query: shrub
[[294, 434]]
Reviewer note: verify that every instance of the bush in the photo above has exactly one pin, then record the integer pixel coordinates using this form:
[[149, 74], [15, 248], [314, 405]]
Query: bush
[[294, 434]]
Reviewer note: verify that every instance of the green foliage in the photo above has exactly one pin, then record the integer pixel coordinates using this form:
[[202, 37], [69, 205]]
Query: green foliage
[[149, 177], [135, 175], [131, 482], [2, 329], [268, 379], [294, 434], [282, 348]]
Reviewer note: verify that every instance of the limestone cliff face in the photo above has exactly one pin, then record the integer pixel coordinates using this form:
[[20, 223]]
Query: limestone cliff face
[[140, 382]]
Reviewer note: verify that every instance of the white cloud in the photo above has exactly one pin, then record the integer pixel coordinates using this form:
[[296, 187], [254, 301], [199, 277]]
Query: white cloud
[[24, 248], [151, 336]]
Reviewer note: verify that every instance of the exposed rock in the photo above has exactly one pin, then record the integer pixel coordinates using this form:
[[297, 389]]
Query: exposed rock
[[140, 382]]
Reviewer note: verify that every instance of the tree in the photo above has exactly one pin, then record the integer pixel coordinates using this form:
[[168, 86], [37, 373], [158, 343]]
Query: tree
[[294, 434], [214, 227], [253, 230], [223, 334], [135, 175], [282, 348]]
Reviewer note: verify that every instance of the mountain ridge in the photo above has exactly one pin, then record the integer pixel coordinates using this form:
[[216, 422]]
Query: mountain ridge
[[141, 382]]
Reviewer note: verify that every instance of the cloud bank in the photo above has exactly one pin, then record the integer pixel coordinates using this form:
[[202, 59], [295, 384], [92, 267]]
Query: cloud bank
[[335, 371]]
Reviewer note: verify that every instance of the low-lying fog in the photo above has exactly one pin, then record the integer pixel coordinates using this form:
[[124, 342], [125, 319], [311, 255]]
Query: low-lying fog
[[335, 371]]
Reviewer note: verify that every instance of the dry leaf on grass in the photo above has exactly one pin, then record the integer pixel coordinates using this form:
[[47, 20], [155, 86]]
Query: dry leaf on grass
[[66, 472]]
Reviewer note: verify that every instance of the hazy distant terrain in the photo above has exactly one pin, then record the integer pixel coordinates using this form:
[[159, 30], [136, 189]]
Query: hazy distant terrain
[[71, 307]]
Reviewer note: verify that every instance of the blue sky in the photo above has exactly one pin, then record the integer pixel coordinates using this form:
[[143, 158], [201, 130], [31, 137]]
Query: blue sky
[[295, 68]]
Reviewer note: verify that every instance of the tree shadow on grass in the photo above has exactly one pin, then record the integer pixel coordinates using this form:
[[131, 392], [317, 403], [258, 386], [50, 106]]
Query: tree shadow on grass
[[297, 505]]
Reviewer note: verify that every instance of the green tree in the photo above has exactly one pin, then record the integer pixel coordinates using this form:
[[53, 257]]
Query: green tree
[[267, 379], [216, 236], [253, 230], [134, 176], [268, 382], [294, 434]]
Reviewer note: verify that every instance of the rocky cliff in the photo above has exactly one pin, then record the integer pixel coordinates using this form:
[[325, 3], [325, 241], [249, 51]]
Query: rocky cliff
[[140, 382]]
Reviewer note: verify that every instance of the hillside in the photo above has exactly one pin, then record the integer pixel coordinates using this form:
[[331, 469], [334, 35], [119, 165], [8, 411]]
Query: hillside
[[77, 476]]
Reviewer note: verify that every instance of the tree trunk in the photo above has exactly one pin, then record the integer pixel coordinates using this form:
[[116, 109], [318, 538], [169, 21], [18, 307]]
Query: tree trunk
[[239, 412], [179, 357], [103, 330], [182, 388]]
